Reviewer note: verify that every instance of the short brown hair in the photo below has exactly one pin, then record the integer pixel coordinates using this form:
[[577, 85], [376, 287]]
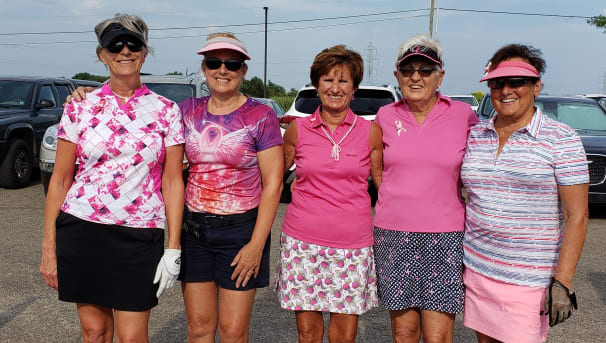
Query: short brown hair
[[338, 55]]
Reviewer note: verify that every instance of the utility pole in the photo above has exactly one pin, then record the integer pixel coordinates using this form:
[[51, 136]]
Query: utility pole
[[371, 52], [437, 16], [431, 20], [265, 62]]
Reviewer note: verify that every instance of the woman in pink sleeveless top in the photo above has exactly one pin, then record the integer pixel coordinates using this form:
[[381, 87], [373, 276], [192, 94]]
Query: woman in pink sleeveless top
[[327, 262]]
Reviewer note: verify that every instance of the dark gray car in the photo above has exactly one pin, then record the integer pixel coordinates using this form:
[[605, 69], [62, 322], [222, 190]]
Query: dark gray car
[[588, 118]]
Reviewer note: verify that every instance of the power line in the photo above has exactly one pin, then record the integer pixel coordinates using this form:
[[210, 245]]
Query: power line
[[99, 15], [280, 22], [238, 33], [222, 26], [516, 13]]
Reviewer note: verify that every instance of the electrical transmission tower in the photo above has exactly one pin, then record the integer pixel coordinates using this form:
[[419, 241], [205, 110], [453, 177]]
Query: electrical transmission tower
[[371, 57]]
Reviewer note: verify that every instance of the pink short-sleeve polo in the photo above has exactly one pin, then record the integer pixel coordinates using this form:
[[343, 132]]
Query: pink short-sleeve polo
[[421, 189], [330, 204]]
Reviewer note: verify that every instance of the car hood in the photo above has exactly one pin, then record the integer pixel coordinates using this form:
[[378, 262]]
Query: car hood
[[9, 112], [594, 143]]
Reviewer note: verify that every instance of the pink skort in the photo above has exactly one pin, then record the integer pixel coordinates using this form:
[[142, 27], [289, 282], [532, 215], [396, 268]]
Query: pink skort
[[504, 311]]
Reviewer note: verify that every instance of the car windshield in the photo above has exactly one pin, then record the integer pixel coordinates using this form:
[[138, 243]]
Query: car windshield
[[466, 99], [176, 92], [580, 116], [15, 94], [365, 101]]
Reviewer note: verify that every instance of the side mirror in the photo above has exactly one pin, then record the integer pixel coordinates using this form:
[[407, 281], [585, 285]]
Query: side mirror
[[44, 103]]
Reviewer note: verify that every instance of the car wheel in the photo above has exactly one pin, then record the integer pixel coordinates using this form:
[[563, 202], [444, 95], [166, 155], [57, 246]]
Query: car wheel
[[16, 170]]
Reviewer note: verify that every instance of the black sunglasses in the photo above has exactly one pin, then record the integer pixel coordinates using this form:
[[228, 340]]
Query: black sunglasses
[[230, 64], [423, 71], [134, 45], [512, 82]]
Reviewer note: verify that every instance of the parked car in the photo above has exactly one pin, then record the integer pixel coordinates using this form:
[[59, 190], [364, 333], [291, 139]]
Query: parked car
[[174, 87], [468, 99], [48, 145], [28, 106], [366, 102], [588, 118], [274, 106], [599, 97]]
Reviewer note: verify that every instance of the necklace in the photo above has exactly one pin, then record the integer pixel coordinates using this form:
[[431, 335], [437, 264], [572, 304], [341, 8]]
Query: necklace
[[336, 149], [125, 98], [120, 96]]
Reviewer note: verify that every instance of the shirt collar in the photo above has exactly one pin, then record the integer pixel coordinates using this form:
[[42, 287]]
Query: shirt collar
[[143, 90], [316, 119], [532, 128]]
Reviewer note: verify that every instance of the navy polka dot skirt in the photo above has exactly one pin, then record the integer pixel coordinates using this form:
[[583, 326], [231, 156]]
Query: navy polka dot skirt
[[420, 270]]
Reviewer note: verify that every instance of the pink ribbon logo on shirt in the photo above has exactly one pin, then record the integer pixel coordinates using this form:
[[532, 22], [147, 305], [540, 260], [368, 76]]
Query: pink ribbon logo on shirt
[[399, 127]]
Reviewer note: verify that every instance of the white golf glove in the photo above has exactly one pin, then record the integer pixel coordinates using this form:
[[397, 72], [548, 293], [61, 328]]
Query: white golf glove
[[168, 270]]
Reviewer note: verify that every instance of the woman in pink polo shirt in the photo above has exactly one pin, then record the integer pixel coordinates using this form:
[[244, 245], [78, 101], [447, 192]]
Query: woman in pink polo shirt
[[326, 260], [419, 217]]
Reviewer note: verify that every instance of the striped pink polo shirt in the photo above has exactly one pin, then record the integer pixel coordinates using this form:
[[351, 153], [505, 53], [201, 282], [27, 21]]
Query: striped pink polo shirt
[[330, 204], [513, 227]]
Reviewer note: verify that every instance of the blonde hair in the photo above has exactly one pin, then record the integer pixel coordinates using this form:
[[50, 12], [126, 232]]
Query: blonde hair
[[221, 34]]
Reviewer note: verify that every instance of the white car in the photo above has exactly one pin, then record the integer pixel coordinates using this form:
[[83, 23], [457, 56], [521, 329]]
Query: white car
[[366, 102], [468, 99]]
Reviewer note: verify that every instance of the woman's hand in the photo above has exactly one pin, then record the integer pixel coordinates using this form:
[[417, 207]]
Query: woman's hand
[[48, 265], [247, 263], [78, 94]]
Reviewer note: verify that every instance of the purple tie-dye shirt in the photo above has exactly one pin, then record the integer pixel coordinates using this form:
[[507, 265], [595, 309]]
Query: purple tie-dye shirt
[[120, 152], [224, 175]]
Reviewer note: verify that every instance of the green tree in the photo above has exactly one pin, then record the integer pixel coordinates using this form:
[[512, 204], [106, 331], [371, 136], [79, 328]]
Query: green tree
[[252, 87], [91, 77], [275, 89], [598, 21], [478, 95], [175, 73], [292, 92]]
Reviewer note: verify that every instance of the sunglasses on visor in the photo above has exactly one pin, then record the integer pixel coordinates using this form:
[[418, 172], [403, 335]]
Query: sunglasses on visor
[[512, 82], [214, 63], [134, 45], [423, 71]]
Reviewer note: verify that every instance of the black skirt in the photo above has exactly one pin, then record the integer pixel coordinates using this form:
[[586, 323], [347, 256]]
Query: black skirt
[[107, 265]]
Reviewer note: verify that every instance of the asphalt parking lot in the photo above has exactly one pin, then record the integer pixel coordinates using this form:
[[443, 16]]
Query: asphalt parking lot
[[30, 311]]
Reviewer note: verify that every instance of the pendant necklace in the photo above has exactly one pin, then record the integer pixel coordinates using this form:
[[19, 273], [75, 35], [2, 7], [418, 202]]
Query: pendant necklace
[[335, 146]]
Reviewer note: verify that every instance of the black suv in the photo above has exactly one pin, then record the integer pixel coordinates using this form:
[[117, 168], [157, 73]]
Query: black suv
[[28, 105], [588, 118]]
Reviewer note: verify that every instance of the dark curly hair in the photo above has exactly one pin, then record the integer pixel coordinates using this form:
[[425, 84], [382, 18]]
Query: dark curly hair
[[527, 52]]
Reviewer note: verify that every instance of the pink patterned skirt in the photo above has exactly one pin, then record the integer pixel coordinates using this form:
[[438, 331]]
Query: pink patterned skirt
[[312, 277]]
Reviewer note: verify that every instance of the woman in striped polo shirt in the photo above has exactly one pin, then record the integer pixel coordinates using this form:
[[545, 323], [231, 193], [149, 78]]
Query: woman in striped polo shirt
[[524, 172]]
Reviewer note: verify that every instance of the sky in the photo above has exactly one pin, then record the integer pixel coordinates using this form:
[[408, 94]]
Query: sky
[[299, 29]]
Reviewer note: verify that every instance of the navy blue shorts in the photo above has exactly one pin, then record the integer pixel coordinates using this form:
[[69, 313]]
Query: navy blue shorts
[[208, 250]]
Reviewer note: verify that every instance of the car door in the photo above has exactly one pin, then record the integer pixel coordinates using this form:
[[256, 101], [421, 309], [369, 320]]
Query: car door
[[47, 116]]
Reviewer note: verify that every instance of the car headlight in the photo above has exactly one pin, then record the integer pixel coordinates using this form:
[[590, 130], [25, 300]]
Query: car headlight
[[49, 141]]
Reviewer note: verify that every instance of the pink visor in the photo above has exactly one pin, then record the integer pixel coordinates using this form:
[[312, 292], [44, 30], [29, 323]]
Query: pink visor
[[511, 68], [219, 43]]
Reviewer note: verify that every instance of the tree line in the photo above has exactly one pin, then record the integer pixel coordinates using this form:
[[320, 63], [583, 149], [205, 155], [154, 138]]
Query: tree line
[[252, 87]]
